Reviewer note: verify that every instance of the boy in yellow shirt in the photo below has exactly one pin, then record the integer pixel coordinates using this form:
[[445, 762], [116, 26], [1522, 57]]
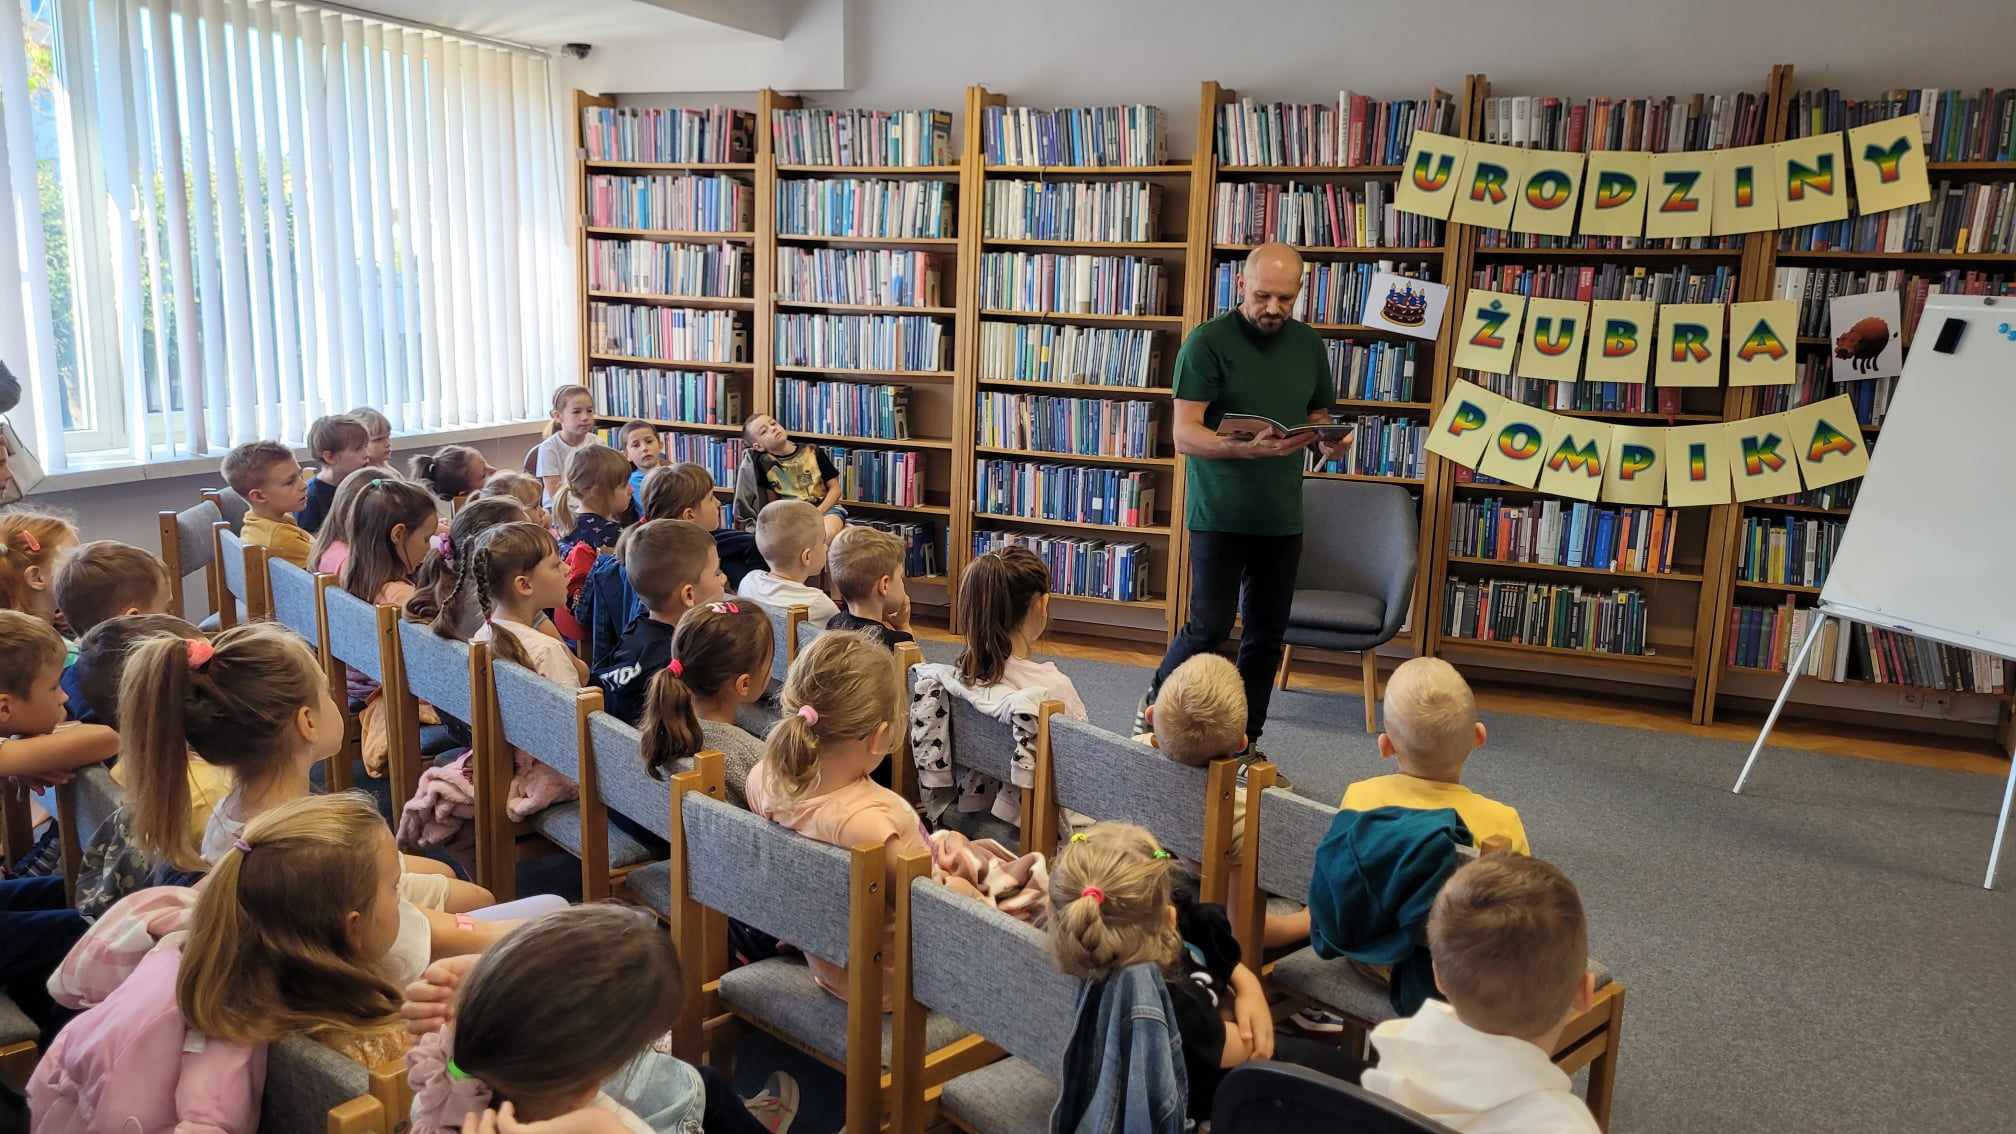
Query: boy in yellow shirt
[[1431, 729], [266, 474]]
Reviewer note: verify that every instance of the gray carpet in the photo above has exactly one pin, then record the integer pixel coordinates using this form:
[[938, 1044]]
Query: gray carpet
[[1816, 954]]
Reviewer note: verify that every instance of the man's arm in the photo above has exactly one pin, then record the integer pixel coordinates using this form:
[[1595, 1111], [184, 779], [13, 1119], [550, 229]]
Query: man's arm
[[1332, 451], [1195, 439]]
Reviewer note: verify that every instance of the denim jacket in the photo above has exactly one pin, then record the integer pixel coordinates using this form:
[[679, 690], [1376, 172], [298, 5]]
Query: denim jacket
[[1123, 1070]]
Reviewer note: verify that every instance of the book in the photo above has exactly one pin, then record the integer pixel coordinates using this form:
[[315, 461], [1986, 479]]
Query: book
[[1249, 425]]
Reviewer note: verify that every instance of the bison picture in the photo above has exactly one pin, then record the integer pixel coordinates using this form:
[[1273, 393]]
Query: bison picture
[[1863, 342]]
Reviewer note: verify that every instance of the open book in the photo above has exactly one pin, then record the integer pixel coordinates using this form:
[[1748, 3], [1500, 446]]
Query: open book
[[1248, 425]]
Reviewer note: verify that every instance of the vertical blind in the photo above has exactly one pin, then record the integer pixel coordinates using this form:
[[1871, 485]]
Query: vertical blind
[[270, 211]]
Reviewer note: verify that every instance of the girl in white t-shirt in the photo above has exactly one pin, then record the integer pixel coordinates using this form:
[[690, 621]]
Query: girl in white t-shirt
[[516, 572], [1004, 603], [573, 428]]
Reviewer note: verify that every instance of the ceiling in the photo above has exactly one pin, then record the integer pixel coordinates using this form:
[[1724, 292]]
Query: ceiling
[[547, 23]]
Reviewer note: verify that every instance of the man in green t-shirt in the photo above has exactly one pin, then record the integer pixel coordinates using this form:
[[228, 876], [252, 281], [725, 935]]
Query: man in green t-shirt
[[1244, 494]]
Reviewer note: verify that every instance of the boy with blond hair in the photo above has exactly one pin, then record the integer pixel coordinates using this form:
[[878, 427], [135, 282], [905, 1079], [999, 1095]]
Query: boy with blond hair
[[793, 543], [266, 474], [867, 568], [1511, 949], [1431, 729]]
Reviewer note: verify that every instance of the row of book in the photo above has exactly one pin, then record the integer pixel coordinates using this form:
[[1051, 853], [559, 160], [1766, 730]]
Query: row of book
[[1582, 395], [1383, 446], [1072, 210], [1564, 533], [851, 409], [682, 202], [1333, 291], [1079, 494], [1134, 134], [879, 476], [1956, 125], [702, 397], [1682, 284], [1840, 496], [1091, 568], [923, 555], [1815, 383], [1083, 356], [1077, 283], [1793, 550], [1545, 614], [1093, 427], [720, 456], [884, 208], [1375, 370], [684, 334], [1356, 131], [1506, 238], [669, 134], [1319, 214], [1769, 637], [883, 277], [861, 342], [660, 267], [813, 136], [1661, 125], [1967, 217], [1814, 289]]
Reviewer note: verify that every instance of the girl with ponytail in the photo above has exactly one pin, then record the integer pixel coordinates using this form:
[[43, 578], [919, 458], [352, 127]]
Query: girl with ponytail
[[720, 662], [513, 573], [1004, 604]]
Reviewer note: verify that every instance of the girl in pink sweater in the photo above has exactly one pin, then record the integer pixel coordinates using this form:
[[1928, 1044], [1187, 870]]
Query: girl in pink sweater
[[288, 934]]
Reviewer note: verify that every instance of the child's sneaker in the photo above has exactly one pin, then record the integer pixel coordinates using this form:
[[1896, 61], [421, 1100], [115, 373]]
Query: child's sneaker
[[1318, 1020], [777, 1105], [1253, 756]]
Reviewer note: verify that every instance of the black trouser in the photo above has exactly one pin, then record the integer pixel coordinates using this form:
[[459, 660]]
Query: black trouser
[[725, 1113], [1256, 576]]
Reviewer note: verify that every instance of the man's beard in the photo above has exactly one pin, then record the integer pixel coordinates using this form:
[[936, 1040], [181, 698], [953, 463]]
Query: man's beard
[[1270, 324]]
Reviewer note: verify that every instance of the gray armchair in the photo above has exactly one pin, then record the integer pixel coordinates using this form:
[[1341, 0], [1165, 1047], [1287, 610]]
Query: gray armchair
[[1356, 580]]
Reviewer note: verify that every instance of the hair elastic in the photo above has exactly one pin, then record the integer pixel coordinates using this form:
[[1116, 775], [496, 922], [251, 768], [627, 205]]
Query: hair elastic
[[200, 652], [455, 1072], [34, 545], [1160, 853], [1097, 895], [1081, 837], [808, 714], [443, 546], [724, 608], [676, 667], [243, 846]]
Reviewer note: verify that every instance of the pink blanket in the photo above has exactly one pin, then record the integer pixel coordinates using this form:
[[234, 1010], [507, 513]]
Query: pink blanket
[[1017, 885]]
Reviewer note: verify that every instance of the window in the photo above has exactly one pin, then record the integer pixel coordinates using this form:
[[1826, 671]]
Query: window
[[229, 217]]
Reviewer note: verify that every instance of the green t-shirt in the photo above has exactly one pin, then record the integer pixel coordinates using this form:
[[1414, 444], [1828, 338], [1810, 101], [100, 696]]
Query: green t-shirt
[[1230, 365]]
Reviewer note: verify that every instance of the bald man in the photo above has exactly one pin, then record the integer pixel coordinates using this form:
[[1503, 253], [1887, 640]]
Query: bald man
[[1244, 495]]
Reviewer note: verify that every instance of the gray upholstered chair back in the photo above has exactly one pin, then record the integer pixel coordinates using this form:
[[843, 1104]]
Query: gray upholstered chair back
[[97, 797], [293, 598], [781, 650], [626, 787], [963, 953], [305, 1081], [979, 743], [538, 717], [232, 507], [1362, 538], [353, 633], [437, 669], [1097, 773], [807, 631], [233, 564], [734, 864], [192, 536], [1290, 827]]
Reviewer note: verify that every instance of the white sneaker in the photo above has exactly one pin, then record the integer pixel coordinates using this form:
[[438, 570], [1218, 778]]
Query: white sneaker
[[1318, 1020], [777, 1105]]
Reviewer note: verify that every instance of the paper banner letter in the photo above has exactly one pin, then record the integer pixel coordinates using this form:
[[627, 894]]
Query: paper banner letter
[[1428, 180], [1553, 339], [1827, 441], [1491, 177], [1761, 340], [1812, 180], [1620, 340], [1577, 460], [1613, 202], [1489, 331], [1464, 426], [1746, 193], [1697, 465], [1889, 162], [1523, 438], [1636, 472], [1761, 458], [1690, 344], [1547, 200], [1681, 194]]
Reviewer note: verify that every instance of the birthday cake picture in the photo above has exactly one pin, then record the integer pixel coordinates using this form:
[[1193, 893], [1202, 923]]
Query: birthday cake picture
[[1405, 306]]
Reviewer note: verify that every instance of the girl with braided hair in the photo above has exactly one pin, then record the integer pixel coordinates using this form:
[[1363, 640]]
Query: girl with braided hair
[[515, 572]]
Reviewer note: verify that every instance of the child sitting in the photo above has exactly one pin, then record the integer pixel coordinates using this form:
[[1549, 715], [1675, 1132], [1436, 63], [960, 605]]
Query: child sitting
[[716, 662], [331, 546], [685, 491], [392, 524], [105, 579], [867, 568], [435, 580], [644, 449], [774, 467], [378, 434], [560, 1019], [451, 471], [515, 573], [343, 446], [675, 568], [572, 429], [793, 543], [291, 933], [608, 603], [525, 489], [32, 703], [32, 547], [590, 503], [266, 474], [1431, 729], [1511, 949], [1004, 604]]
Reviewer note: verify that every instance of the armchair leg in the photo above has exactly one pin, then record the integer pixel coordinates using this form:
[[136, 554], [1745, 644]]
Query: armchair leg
[[1369, 660], [1287, 662]]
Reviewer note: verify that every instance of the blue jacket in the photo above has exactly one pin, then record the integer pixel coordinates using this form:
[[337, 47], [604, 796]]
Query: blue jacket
[[1377, 874], [1123, 1070], [607, 602]]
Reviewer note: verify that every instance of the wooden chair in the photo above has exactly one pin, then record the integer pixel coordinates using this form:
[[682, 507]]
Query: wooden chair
[[309, 1087], [616, 752], [242, 583], [454, 677], [188, 547], [956, 956], [1282, 831], [365, 637], [550, 724], [297, 602], [976, 742], [784, 622], [729, 861], [903, 765], [82, 806], [231, 507]]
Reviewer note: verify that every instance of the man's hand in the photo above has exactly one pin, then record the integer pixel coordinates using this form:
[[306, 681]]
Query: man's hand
[[1275, 444], [1336, 450]]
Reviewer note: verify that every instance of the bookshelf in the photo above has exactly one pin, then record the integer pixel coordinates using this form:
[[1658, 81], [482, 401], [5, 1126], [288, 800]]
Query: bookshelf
[[1811, 264]]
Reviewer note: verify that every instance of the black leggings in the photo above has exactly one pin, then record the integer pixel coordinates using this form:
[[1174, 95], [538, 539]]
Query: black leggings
[[725, 1112]]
